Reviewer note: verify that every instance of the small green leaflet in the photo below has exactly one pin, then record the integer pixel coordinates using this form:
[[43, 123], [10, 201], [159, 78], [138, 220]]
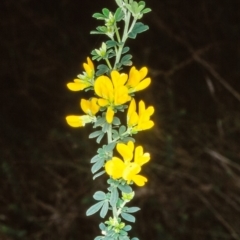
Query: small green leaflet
[[138, 28]]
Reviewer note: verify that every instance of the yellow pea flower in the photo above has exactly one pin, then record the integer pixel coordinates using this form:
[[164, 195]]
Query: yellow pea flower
[[130, 173], [112, 92], [126, 169], [78, 121], [115, 167], [126, 150], [137, 80], [141, 120], [90, 107], [84, 80]]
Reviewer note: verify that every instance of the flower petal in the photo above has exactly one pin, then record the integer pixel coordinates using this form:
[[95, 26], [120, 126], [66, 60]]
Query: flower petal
[[140, 157], [126, 151], [94, 106], [130, 171], [85, 105], [139, 180], [77, 86], [74, 121], [143, 72], [104, 88], [143, 84], [109, 115], [115, 167]]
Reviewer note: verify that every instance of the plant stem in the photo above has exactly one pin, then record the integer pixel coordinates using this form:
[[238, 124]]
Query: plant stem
[[108, 63], [109, 134]]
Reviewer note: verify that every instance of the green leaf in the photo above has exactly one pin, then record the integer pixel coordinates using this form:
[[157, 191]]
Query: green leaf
[[100, 137], [95, 159], [114, 196], [122, 130], [111, 43], [102, 68], [102, 226], [99, 196], [127, 139], [102, 29], [98, 16], [109, 147], [105, 12], [128, 217], [125, 50], [135, 238], [116, 121], [124, 236], [125, 188], [98, 174], [99, 164], [131, 209], [125, 59], [146, 10], [134, 7], [104, 209], [138, 28], [95, 134], [93, 209], [119, 15], [99, 238], [127, 228]]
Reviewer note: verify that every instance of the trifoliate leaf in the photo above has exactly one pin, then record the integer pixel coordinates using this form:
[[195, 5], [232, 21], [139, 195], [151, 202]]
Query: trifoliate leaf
[[138, 28]]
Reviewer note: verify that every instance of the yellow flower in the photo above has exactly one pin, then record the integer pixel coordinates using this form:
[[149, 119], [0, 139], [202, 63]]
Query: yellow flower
[[141, 120], [112, 92], [84, 80], [137, 80], [78, 121], [126, 169], [90, 107]]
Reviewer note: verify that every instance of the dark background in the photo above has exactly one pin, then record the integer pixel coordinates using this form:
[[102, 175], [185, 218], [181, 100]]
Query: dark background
[[192, 52]]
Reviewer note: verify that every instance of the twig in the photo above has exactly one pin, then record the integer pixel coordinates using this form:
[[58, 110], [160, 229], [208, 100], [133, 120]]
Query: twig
[[196, 56], [222, 159], [218, 216]]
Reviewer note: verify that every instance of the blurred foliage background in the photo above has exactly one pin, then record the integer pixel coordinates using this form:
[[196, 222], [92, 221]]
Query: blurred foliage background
[[192, 50]]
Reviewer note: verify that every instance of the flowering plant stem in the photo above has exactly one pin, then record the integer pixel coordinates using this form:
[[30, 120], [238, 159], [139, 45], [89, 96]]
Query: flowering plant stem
[[114, 92]]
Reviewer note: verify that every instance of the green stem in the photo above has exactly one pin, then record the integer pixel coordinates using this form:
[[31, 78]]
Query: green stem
[[109, 134], [124, 38], [117, 33], [108, 63]]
